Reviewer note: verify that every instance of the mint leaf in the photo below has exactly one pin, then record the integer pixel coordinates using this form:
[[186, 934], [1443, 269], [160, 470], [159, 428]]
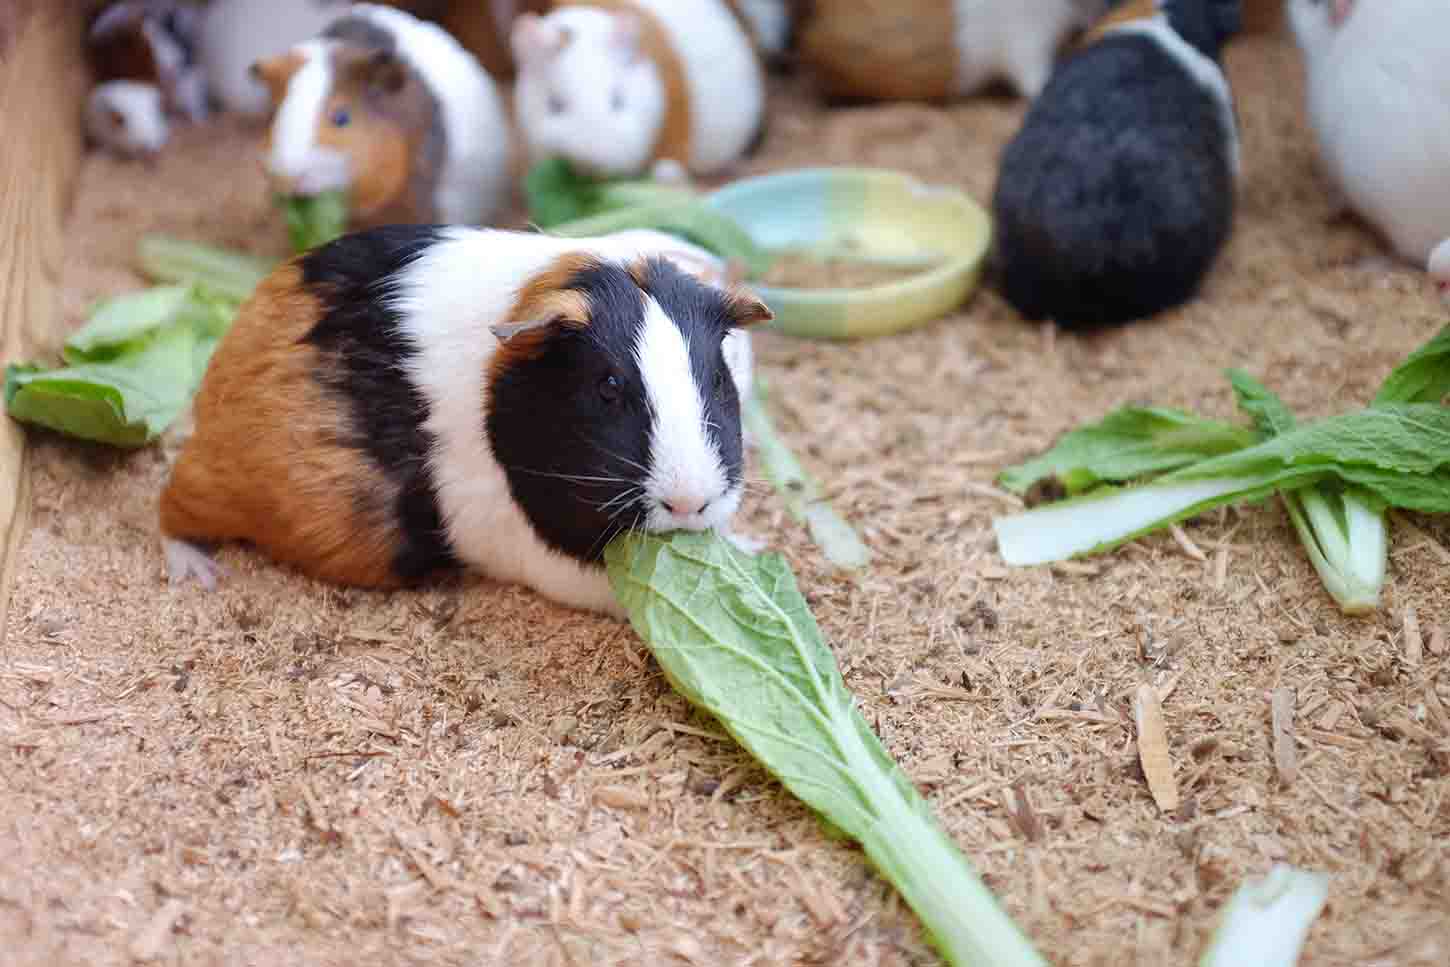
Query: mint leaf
[[736, 638], [1130, 442]]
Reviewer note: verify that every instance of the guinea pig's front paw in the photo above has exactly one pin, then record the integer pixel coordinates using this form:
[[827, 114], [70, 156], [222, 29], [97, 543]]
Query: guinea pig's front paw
[[744, 542], [185, 560]]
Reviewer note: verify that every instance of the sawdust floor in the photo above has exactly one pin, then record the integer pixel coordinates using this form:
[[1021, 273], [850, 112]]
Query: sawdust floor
[[469, 775]]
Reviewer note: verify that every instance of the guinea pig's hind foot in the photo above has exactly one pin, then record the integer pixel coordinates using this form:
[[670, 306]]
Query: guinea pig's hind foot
[[186, 560]]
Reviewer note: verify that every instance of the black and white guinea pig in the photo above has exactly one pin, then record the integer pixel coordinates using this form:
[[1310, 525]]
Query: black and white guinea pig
[[1116, 196], [409, 400]]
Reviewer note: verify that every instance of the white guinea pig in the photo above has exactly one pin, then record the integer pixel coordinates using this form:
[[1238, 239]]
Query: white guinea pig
[[420, 399], [617, 87], [936, 49], [1378, 75], [127, 117], [394, 110]]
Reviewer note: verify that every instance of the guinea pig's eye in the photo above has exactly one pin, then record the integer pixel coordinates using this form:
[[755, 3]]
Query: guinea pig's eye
[[616, 101], [609, 389], [556, 104], [341, 118]]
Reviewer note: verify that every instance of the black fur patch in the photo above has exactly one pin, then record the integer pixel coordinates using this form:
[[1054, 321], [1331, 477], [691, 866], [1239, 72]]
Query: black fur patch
[[575, 452], [1115, 197], [1205, 24], [362, 357]]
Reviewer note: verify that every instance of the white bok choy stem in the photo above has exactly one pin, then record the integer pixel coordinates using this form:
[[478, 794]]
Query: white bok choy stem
[[1346, 539], [1083, 525], [1266, 921]]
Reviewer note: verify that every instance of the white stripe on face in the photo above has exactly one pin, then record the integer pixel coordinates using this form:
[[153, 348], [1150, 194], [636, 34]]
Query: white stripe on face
[[687, 487], [294, 130]]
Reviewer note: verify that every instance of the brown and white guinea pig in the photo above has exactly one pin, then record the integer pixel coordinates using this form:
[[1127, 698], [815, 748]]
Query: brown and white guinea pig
[[127, 118], [937, 49], [151, 42], [393, 110], [629, 87], [1116, 195], [411, 400]]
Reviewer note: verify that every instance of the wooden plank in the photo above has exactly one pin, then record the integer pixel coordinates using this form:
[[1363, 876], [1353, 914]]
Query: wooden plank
[[42, 86]]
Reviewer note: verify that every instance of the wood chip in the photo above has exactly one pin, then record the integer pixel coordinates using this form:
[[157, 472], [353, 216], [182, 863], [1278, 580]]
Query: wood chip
[[1286, 759], [150, 940], [1436, 709], [621, 797], [1220, 568], [1020, 811], [1436, 644], [1414, 644], [1186, 545], [1334, 738], [1153, 748]]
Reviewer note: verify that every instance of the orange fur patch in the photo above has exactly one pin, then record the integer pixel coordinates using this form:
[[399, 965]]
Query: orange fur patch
[[674, 140], [380, 151], [543, 297], [276, 73], [265, 463], [1126, 12], [882, 48]]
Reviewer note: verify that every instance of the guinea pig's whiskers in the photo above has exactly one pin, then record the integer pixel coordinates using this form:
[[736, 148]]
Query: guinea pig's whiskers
[[576, 478]]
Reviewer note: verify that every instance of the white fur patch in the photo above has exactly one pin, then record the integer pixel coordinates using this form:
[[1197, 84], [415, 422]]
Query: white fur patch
[[295, 152], [1013, 39], [688, 486], [1202, 69]]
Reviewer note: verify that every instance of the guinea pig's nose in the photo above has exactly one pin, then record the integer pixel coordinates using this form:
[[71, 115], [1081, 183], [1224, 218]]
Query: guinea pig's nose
[[684, 505]]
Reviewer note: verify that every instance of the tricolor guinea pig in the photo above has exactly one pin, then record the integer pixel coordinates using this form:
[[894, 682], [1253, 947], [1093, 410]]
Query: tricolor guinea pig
[[1378, 74], [410, 400], [1115, 197], [393, 110], [626, 87], [937, 49], [151, 42], [235, 34]]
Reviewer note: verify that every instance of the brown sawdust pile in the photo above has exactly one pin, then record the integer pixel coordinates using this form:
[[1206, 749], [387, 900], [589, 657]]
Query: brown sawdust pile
[[286, 773]]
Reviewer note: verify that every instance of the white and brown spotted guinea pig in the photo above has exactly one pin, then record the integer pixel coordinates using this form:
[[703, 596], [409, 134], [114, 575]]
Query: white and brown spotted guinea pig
[[628, 87], [936, 49], [410, 400], [1117, 194], [392, 109]]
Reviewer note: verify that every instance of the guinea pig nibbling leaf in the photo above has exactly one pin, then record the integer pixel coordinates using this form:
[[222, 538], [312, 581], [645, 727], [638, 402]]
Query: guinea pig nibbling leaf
[[736, 638], [314, 220], [132, 368], [1336, 476]]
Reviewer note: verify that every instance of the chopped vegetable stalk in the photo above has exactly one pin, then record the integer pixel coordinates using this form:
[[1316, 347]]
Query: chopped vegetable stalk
[[1347, 542], [555, 193], [736, 638], [1266, 921], [837, 539], [228, 274]]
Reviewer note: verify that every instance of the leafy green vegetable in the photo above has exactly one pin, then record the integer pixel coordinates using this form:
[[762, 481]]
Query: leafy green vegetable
[[124, 393], [736, 638], [1337, 476], [314, 220], [1265, 921], [1129, 442], [837, 539], [564, 202], [230, 275], [555, 194]]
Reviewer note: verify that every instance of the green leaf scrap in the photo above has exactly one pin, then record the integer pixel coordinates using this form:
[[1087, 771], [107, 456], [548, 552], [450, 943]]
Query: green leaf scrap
[[314, 220], [736, 638]]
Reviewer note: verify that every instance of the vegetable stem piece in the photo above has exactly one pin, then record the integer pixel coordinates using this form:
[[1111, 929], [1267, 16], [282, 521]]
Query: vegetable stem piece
[[314, 220], [228, 274], [736, 638], [837, 539], [1347, 541], [1266, 921]]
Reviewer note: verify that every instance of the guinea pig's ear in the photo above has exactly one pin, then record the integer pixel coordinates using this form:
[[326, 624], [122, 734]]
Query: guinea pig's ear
[[534, 40], [386, 74], [746, 309], [505, 331], [276, 72], [624, 39]]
